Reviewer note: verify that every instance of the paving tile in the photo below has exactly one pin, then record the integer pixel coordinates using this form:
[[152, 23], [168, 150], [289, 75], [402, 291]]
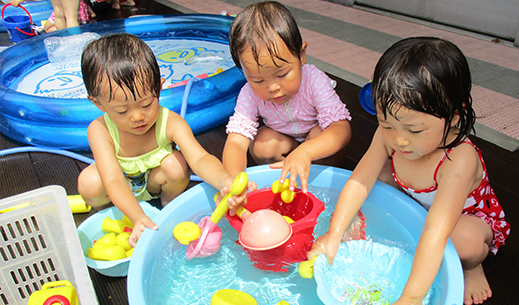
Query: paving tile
[[353, 40]]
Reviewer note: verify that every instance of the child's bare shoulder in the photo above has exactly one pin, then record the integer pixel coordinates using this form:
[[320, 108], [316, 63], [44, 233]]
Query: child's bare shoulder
[[98, 124], [464, 151], [462, 159], [174, 119], [176, 125]]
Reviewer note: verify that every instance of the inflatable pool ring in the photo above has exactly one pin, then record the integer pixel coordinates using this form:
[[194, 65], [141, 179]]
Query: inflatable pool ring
[[63, 122], [40, 10]]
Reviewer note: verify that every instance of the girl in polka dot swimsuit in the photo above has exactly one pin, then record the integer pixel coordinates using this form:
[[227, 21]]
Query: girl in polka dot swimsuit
[[304, 119], [421, 88]]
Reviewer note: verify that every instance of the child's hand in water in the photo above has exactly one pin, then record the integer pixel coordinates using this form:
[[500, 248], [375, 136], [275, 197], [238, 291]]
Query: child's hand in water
[[138, 227], [297, 163], [323, 245]]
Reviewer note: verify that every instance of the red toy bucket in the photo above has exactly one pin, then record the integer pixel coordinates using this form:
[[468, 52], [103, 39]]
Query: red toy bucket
[[19, 27], [304, 210]]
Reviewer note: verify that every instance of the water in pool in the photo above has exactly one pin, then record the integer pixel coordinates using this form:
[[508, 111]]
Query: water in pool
[[178, 281], [178, 59]]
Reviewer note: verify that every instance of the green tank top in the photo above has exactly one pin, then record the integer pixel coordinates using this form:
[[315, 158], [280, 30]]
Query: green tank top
[[143, 163]]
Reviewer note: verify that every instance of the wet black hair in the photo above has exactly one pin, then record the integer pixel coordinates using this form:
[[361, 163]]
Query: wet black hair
[[429, 75], [258, 26], [123, 59]]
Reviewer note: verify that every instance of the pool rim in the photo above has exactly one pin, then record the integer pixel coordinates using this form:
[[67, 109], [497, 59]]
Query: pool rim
[[146, 252]]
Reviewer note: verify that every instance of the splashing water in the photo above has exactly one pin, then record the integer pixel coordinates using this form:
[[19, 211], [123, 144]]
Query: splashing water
[[178, 281]]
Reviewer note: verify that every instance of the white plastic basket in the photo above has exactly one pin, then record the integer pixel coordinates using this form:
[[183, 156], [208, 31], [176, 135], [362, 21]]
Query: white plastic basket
[[39, 244]]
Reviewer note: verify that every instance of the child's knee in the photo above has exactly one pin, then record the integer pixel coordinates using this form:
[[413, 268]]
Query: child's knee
[[270, 146], [90, 184], [172, 179], [471, 238], [264, 152], [175, 167]]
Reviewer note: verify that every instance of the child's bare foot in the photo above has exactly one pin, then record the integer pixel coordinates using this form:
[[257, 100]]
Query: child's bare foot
[[477, 289], [116, 5], [128, 3]]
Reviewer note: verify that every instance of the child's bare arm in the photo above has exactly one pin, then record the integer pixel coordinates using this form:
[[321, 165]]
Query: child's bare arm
[[205, 165], [456, 179], [352, 197], [235, 153], [113, 179], [327, 143]]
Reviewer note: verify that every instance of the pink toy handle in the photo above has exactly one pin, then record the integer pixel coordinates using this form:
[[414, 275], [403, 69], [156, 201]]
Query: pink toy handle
[[208, 227]]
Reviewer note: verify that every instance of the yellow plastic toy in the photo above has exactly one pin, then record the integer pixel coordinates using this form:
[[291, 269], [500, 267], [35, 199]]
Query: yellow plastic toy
[[77, 204], [306, 268], [108, 240], [112, 246], [117, 226], [287, 195], [187, 231], [208, 243], [59, 292], [128, 221], [232, 297], [110, 253], [122, 240]]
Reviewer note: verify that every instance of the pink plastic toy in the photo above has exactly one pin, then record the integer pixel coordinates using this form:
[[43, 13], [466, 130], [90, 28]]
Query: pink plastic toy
[[263, 229], [204, 239], [304, 210]]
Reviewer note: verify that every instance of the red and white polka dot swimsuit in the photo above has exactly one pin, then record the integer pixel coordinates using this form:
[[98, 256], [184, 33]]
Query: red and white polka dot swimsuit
[[482, 202]]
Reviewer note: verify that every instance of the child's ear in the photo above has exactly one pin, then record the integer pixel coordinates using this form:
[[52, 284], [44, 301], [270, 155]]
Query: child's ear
[[96, 102], [162, 81], [303, 53], [455, 119]]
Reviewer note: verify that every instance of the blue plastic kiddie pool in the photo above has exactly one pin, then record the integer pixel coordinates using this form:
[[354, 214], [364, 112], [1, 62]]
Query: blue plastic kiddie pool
[[159, 273]]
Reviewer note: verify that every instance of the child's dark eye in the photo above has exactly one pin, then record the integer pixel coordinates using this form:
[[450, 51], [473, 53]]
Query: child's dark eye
[[146, 106], [415, 131], [122, 112], [257, 81]]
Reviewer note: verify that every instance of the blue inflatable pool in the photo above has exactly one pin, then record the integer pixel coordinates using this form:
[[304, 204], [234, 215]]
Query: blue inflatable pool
[[55, 121]]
